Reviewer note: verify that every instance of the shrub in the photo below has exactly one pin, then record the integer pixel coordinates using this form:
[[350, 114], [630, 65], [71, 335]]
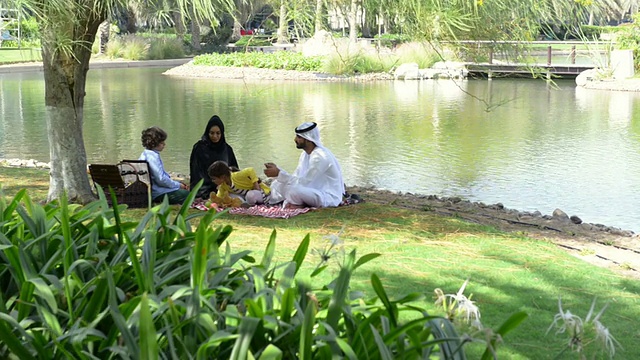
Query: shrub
[[218, 37], [628, 38], [78, 282], [165, 48], [135, 47], [115, 47], [392, 40], [285, 60]]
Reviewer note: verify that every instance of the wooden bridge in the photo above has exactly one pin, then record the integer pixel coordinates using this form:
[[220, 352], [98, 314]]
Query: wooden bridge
[[549, 68], [525, 70]]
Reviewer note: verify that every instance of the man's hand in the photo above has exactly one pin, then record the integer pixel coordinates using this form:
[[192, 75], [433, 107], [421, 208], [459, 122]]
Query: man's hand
[[271, 170]]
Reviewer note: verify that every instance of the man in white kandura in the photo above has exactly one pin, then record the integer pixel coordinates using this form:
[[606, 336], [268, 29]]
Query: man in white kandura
[[317, 181]]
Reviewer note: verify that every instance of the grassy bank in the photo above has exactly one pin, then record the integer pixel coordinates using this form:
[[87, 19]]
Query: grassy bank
[[12, 56], [422, 251]]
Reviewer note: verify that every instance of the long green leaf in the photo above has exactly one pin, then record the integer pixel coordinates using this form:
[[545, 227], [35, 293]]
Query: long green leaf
[[269, 251], [15, 344], [365, 259], [287, 305], [306, 332], [247, 328], [271, 352], [301, 252], [340, 291], [44, 292], [392, 310], [148, 341], [119, 320], [383, 351], [511, 323]]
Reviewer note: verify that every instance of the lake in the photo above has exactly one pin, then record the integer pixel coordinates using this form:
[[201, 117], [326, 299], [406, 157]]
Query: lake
[[525, 143]]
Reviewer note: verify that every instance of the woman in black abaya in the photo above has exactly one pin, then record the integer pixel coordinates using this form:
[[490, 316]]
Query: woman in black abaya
[[210, 148]]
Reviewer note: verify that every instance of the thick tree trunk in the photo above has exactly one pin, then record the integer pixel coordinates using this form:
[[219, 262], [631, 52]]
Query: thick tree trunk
[[283, 25], [65, 78]]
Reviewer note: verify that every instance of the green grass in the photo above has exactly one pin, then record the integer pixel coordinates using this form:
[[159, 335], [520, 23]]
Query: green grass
[[12, 56], [422, 251]]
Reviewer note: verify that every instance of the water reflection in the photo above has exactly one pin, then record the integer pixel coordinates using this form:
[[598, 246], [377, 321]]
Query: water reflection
[[524, 143]]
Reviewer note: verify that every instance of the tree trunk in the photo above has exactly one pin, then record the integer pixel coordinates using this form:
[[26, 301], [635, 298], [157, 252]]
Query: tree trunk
[[195, 29], [105, 32], [235, 34], [179, 24], [65, 78], [319, 16], [353, 21], [283, 28]]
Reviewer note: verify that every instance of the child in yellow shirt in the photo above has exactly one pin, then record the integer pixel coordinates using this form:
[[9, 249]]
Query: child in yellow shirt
[[244, 184]]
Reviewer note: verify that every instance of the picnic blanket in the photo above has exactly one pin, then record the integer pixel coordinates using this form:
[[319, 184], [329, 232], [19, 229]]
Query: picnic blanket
[[273, 211]]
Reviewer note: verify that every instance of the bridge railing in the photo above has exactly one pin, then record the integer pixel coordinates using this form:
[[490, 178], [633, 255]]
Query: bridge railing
[[546, 51]]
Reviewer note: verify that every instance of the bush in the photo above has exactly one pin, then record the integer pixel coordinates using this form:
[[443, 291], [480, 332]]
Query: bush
[[78, 282], [136, 47], [166, 48], [628, 38], [285, 60], [392, 40]]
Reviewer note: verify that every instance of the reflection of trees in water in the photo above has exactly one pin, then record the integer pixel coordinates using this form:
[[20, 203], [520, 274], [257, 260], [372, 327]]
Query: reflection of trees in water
[[426, 136], [22, 128]]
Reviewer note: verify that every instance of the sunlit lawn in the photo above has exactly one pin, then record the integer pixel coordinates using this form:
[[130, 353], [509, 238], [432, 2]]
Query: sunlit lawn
[[422, 251], [10, 56]]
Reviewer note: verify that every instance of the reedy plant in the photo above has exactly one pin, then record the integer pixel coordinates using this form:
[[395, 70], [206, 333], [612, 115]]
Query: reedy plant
[[79, 282]]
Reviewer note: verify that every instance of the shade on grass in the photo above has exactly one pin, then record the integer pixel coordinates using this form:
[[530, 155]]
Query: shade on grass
[[422, 251]]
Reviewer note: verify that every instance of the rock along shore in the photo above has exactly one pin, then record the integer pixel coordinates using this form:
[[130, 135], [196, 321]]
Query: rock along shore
[[497, 215]]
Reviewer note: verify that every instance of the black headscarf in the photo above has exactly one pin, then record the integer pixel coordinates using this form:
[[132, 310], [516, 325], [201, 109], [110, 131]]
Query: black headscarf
[[205, 152]]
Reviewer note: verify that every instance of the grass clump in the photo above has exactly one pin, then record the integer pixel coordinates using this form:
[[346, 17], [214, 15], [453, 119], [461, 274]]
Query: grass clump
[[137, 47]]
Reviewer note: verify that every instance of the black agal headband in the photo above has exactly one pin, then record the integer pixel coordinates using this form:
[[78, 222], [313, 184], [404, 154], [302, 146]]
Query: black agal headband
[[309, 126]]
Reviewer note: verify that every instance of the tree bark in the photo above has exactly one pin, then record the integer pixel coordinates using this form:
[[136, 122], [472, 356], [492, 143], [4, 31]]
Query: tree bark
[[65, 75], [105, 32], [283, 28], [319, 16], [195, 29], [179, 24], [353, 21]]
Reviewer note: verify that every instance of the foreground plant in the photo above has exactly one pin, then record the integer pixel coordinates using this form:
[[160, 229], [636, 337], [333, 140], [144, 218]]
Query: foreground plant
[[78, 282], [582, 333]]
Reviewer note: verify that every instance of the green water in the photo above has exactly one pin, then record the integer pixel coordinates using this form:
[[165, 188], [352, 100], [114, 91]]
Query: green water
[[524, 143]]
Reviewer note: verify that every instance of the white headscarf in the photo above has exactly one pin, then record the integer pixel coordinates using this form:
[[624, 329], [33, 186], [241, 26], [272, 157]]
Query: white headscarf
[[309, 131]]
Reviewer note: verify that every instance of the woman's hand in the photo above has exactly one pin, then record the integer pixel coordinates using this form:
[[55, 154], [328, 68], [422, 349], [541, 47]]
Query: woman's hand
[[184, 186]]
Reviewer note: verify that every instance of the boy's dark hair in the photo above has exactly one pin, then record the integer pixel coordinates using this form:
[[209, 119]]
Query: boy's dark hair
[[219, 168], [152, 137]]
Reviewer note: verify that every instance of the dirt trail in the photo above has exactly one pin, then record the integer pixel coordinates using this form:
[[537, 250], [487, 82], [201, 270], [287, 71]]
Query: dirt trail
[[599, 245]]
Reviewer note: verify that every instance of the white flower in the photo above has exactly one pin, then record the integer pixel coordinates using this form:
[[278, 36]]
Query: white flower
[[460, 306], [566, 321], [334, 239], [608, 341]]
